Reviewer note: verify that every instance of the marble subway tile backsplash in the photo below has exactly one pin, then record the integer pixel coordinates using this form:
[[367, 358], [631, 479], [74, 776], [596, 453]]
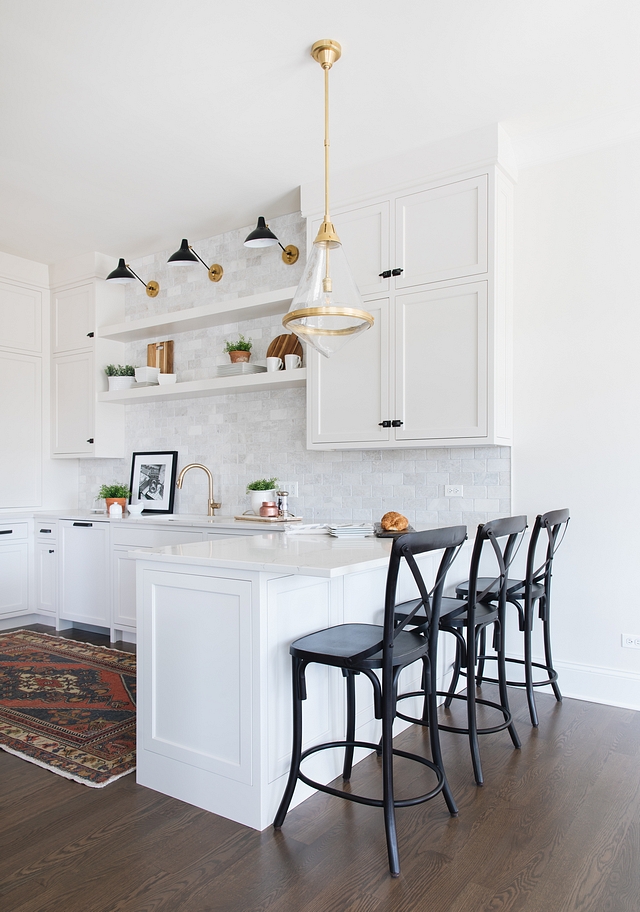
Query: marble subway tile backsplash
[[246, 436]]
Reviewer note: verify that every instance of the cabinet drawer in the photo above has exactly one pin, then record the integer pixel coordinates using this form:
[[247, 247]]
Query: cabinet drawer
[[11, 531], [153, 538], [46, 531]]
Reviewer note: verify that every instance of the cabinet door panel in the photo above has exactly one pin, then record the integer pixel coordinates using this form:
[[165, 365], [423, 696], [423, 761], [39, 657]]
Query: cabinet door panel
[[46, 578], [441, 233], [442, 346], [21, 423], [84, 570], [73, 404], [348, 394], [364, 233], [20, 318], [14, 577], [72, 318]]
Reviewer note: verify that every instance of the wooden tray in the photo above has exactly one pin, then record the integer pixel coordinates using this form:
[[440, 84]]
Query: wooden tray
[[287, 344], [270, 519], [382, 533]]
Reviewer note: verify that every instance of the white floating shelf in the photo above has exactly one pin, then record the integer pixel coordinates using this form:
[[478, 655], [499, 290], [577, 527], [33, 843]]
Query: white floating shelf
[[218, 386], [260, 305]]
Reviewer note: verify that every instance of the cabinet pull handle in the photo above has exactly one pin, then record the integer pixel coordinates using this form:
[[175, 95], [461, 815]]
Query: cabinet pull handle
[[397, 271], [386, 274], [6, 531], [397, 423], [90, 440], [90, 335], [45, 530], [51, 551], [384, 424], [84, 525]]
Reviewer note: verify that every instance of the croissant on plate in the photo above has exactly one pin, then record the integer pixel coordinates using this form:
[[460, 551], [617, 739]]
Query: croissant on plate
[[394, 522]]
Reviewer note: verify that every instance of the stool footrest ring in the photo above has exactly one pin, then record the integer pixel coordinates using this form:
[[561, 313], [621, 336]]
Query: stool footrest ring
[[553, 674], [450, 728], [362, 799]]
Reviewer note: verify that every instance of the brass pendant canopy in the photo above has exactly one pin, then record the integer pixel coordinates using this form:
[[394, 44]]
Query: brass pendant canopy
[[327, 310]]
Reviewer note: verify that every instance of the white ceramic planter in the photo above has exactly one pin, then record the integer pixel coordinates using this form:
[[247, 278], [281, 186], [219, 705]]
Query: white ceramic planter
[[120, 383], [258, 497]]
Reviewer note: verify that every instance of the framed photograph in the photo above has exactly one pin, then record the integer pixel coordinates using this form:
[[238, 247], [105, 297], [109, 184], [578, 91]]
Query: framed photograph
[[153, 480]]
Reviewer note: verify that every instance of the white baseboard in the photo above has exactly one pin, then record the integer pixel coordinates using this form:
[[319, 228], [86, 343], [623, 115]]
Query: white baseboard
[[599, 685]]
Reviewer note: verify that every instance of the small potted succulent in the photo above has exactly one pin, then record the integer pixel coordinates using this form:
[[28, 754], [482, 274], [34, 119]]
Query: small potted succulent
[[264, 489], [114, 493], [120, 376], [239, 350]]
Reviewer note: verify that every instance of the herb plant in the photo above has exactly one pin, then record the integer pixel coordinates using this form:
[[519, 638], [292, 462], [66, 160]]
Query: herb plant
[[121, 370], [263, 484], [242, 344], [113, 490]]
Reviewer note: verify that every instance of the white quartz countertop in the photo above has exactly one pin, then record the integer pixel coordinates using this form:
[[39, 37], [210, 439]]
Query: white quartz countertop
[[279, 552], [190, 520]]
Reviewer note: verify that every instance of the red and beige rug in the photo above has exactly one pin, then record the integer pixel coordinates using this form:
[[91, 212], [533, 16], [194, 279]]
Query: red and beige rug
[[67, 706]]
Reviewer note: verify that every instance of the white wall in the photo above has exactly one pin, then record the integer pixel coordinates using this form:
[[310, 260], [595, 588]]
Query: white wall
[[577, 398]]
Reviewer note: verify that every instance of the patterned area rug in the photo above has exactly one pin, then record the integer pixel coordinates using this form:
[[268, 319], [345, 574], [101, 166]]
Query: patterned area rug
[[68, 707]]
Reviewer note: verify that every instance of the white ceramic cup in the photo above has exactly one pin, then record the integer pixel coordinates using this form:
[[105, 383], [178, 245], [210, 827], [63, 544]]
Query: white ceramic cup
[[274, 364], [292, 362]]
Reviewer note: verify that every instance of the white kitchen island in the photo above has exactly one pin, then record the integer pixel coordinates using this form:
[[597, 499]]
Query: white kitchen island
[[215, 620]]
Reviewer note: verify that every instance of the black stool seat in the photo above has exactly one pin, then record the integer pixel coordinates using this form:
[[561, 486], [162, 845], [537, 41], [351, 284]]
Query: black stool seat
[[453, 612], [515, 588], [342, 645], [363, 648]]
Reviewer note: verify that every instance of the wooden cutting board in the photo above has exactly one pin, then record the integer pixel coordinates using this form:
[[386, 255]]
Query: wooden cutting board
[[287, 344]]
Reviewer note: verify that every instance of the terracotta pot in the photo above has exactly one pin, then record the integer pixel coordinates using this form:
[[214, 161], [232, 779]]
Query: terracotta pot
[[239, 356], [111, 500]]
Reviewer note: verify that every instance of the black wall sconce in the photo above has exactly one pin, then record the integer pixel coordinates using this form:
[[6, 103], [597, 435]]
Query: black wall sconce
[[263, 236], [187, 254], [124, 274]]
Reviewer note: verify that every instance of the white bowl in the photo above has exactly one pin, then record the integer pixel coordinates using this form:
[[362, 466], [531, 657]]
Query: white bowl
[[147, 374], [166, 379], [135, 509]]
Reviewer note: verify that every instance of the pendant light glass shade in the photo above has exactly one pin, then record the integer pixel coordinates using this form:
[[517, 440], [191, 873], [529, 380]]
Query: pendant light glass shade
[[184, 255], [327, 312], [261, 236], [121, 274]]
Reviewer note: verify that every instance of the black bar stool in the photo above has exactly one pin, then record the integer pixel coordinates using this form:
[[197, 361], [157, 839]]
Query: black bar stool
[[361, 648], [468, 620], [523, 595]]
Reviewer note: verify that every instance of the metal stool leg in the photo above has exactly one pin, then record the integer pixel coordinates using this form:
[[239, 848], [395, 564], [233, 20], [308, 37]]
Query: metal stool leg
[[546, 634], [351, 724], [502, 682], [387, 778], [528, 665], [299, 694]]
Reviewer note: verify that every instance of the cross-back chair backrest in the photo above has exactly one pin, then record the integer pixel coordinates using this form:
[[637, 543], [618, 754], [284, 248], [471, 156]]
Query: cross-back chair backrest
[[555, 524], [504, 536], [406, 547]]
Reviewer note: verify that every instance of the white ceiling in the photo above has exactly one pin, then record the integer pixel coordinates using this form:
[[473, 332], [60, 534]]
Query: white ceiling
[[126, 125]]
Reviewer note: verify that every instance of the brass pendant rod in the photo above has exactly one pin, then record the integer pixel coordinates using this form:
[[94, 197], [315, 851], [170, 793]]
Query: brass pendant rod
[[326, 67]]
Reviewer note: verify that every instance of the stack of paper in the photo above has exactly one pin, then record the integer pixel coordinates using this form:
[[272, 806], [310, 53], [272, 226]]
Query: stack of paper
[[350, 530]]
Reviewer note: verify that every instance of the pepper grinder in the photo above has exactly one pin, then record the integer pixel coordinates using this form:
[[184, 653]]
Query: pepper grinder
[[283, 503]]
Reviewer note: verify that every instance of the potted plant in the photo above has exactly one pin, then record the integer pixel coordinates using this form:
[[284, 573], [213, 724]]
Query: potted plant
[[121, 376], [114, 493], [264, 489], [240, 350]]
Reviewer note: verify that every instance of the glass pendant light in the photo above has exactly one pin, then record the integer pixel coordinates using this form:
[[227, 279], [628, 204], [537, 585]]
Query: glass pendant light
[[327, 309]]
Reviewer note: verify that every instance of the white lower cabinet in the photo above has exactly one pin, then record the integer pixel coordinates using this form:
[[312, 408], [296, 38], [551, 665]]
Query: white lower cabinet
[[46, 568], [85, 584], [14, 569]]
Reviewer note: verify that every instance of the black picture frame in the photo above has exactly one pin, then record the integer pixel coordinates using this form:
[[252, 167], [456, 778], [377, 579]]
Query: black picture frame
[[153, 480]]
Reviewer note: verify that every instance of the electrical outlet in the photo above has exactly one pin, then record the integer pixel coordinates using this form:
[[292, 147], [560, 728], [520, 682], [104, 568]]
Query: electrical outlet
[[631, 640], [453, 490], [291, 487]]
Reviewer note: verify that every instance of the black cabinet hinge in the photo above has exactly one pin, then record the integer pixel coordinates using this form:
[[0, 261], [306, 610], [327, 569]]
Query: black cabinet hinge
[[384, 424]]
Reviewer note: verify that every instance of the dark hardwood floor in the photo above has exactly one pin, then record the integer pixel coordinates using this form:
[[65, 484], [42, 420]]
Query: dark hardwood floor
[[556, 828]]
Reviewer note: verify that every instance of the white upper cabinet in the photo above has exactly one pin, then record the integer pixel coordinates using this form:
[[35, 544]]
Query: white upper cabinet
[[83, 426], [441, 232], [72, 318], [20, 318], [435, 369]]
